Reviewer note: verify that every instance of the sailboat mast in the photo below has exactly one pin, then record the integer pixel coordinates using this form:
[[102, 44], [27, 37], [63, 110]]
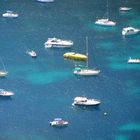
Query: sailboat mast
[[87, 51], [107, 10], [2, 63]]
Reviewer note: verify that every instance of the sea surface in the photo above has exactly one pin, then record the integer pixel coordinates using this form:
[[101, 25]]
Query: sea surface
[[46, 86]]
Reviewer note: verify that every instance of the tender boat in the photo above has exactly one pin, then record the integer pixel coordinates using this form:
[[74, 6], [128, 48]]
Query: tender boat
[[58, 122], [125, 8], [129, 31], [131, 60], [85, 102], [32, 53], [86, 70], [105, 22], [10, 14], [5, 93], [45, 0], [58, 43], [75, 56]]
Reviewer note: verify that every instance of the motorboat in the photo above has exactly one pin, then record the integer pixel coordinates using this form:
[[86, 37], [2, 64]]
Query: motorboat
[[129, 31], [85, 102], [58, 122], [133, 60], [105, 22], [75, 56], [32, 53], [10, 14], [5, 93], [45, 0], [3, 73], [58, 43], [125, 8], [86, 70]]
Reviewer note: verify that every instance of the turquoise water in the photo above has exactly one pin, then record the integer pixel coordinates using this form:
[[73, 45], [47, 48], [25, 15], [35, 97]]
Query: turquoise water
[[45, 87]]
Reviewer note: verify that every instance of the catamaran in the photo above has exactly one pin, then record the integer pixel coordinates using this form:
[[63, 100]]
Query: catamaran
[[86, 70], [105, 21]]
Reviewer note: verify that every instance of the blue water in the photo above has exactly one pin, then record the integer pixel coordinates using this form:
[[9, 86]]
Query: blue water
[[45, 87]]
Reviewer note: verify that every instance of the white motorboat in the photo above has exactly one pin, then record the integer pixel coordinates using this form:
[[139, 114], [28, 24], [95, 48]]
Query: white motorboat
[[85, 102], [5, 93], [133, 60], [85, 70], [45, 0], [10, 14], [3, 72], [58, 43], [129, 31], [105, 21], [58, 122], [32, 53], [125, 8]]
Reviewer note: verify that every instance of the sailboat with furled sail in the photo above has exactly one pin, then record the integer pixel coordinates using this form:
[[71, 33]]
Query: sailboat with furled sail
[[105, 21], [3, 72], [86, 70]]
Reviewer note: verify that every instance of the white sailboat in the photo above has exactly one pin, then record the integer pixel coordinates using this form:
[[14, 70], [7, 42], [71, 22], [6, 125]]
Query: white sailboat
[[86, 71], [124, 8], [3, 72], [105, 21]]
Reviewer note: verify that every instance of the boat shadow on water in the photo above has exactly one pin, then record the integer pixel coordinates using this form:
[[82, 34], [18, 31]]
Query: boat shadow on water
[[88, 108], [4, 98]]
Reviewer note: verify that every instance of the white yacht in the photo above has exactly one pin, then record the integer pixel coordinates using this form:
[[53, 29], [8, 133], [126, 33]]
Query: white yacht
[[32, 53], [133, 60], [45, 0], [5, 93], [58, 122], [86, 102], [10, 14], [129, 31], [58, 43], [105, 22], [125, 8]]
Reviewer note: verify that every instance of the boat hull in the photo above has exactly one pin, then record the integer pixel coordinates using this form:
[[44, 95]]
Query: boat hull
[[3, 74]]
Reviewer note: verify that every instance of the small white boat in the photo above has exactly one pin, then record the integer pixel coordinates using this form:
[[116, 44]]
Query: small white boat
[[32, 53], [133, 60], [10, 14], [3, 72], [105, 22], [129, 31], [5, 93], [45, 0], [85, 102], [58, 122], [125, 8], [58, 43]]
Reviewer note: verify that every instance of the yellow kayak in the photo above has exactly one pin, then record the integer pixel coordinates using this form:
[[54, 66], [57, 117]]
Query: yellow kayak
[[75, 56]]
